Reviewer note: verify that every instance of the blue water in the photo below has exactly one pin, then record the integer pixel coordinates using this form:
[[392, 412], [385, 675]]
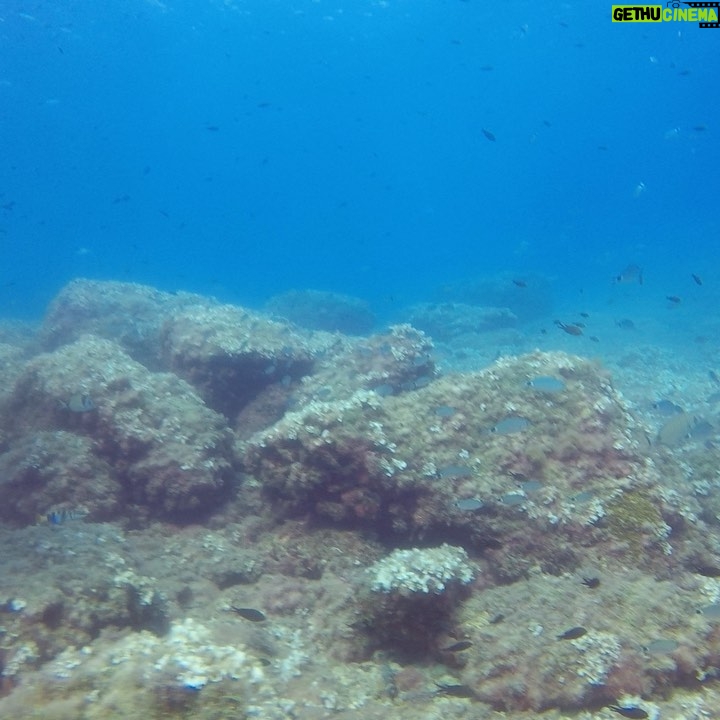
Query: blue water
[[245, 148]]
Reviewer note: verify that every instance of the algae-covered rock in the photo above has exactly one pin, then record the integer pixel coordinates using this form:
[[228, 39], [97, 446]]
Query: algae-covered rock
[[446, 321], [46, 473], [320, 310], [230, 354], [167, 450], [526, 460], [393, 362], [129, 314]]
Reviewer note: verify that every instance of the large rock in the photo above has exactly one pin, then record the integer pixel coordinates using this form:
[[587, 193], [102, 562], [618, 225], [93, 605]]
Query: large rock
[[167, 450], [522, 470]]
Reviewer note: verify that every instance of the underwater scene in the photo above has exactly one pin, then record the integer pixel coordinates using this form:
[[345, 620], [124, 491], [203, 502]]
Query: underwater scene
[[359, 359]]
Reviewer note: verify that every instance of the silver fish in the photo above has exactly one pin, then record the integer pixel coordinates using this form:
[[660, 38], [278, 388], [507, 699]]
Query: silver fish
[[511, 424], [546, 384], [78, 403]]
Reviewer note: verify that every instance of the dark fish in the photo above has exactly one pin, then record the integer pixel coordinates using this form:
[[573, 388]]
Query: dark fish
[[489, 135], [699, 128], [249, 614], [696, 278], [625, 324], [458, 646], [631, 274], [594, 338], [461, 691], [569, 328], [711, 571], [714, 376], [496, 619], [487, 68], [8, 205], [520, 283], [584, 315], [573, 633], [121, 199], [673, 299], [212, 128], [591, 582], [629, 711]]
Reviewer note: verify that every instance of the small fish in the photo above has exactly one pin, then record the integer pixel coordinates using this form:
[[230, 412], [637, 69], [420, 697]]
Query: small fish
[[546, 384], [667, 407], [712, 612], [58, 517], [458, 646], [625, 324], [573, 633], [520, 283], [530, 486], [509, 425], [496, 619], [454, 471], [569, 328], [512, 499], [677, 429], [78, 403], [468, 504], [212, 128], [714, 376], [675, 299], [699, 128], [629, 711], [250, 614], [591, 582], [696, 278], [631, 274], [584, 315], [444, 411], [707, 570], [488, 134], [461, 691], [594, 338], [661, 646]]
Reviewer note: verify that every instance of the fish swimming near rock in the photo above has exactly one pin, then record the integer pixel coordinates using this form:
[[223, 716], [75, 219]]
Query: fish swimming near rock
[[250, 614], [677, 429], [510, 425], [629, 711], [546, 384], [573, 633], [58, 517], [78, 403]]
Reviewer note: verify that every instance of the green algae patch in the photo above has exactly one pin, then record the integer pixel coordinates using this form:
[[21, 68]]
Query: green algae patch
[[635, 519]]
